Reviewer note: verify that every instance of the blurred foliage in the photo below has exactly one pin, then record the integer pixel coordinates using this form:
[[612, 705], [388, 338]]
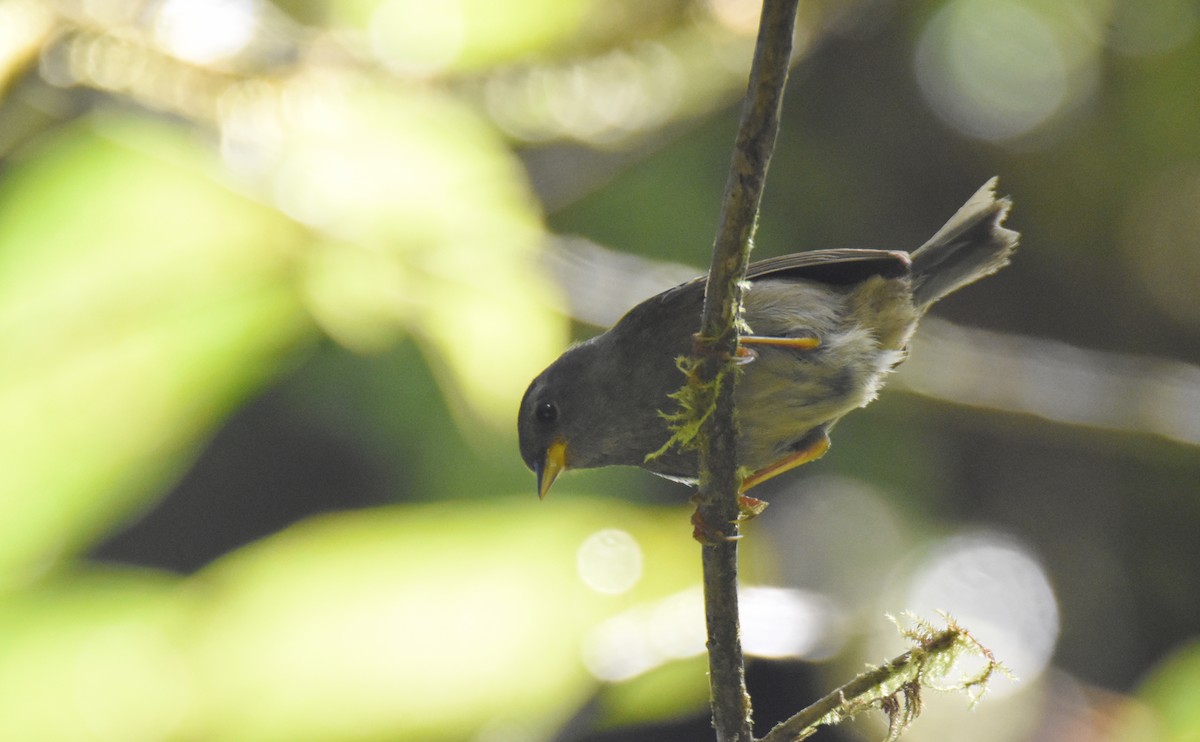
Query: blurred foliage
[[140, 303], [353, 626], [273, 277], [1172, 694]]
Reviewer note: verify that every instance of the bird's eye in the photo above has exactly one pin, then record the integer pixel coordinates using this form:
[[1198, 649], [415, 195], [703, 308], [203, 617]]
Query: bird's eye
[[546, 412]]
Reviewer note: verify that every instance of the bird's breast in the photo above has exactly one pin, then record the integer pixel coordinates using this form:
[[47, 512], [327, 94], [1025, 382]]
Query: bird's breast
[[785, 393]]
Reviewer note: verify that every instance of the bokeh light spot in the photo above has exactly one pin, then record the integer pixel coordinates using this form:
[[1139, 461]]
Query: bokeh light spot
[[206, 32], [739, 16], [601, 101], [817, 534], [776, 622], [416, 37], [992, 69], [782, 622], [996, 589], [1160, 236], [610, 561]]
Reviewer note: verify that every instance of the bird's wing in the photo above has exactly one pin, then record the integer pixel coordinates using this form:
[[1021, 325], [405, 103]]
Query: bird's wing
[[838, 267], [678, 308]]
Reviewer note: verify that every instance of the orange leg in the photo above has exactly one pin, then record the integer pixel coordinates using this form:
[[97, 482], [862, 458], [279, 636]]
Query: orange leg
[[813, 449], [804, 342], [748, 507], [744, 355]]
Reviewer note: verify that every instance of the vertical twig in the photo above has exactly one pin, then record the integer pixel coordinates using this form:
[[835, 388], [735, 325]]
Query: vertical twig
[[717, 504]]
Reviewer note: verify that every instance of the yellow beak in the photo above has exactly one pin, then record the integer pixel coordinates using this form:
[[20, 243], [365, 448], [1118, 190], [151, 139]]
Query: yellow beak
[[553, 464]]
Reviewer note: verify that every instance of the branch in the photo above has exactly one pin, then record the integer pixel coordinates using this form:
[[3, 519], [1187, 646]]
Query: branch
[[717, 503], [896, 686]]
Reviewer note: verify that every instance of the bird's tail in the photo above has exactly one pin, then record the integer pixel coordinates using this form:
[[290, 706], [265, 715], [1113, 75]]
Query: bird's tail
[[973, 244]]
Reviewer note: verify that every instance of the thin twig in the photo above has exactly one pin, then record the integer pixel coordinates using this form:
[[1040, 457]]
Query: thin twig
[[896, 686], [803, 723], [717, 505]]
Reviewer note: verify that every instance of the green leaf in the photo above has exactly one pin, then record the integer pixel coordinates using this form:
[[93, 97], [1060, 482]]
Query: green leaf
[[407, 623], [666, 692], [140, 301], [415, 37], [95, 654], [422, 622], [1172, 695], [432, 230]]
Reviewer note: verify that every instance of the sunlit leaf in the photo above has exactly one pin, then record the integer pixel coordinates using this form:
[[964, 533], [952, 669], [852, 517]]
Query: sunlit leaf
[[417, 37], [666, 692], [411, 623], [1173, 694], [95, 655], [421, 623], [438, 234], [139, 301]]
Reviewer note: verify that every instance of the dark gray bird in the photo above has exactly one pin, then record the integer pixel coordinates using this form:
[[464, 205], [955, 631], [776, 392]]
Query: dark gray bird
[[826, 327]]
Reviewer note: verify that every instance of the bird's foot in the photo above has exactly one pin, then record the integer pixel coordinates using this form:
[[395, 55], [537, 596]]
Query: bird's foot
[[748, 507], [811, 447], [741, 356]]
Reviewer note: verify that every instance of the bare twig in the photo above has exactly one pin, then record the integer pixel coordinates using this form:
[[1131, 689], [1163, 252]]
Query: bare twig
[[717, 505]]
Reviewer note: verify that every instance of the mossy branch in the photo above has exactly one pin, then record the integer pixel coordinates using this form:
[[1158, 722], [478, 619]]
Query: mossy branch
[[695, 402], [896, 686], [713, 379], [705, 422]]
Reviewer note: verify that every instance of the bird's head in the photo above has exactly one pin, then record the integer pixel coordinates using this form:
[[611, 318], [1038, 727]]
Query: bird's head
[[575, 416]]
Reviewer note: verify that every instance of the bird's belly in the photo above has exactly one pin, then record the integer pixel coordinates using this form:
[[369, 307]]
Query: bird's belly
[[783, 394]]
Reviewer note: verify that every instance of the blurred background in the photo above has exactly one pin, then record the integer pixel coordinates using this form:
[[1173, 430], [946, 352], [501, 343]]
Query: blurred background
[[274, 275]]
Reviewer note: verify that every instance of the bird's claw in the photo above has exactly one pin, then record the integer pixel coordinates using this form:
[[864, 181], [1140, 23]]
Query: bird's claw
[[748, 507], [740, 357]]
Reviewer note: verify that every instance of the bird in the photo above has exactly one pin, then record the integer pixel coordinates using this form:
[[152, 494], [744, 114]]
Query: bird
[[822, 329]]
